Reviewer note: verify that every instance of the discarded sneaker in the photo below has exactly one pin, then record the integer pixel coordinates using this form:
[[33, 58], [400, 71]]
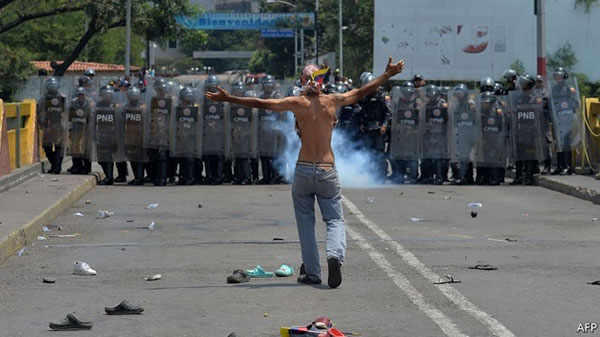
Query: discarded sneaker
[[82, 268], [124, 308], [284, 271], [334, 278], [259, 272], [71, 323], [238, 276]]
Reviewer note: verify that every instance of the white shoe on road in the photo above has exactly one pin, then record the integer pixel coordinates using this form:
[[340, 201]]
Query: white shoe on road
[[82, 268]]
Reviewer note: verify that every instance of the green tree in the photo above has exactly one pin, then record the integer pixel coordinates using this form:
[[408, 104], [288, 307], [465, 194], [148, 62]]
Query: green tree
[[586, 3], [563, 57], [14, 68], [518, 66]]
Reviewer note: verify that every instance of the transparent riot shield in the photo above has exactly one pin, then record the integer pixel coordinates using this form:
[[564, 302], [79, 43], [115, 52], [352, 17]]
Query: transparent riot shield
[[268, 134], [463, 127], [565, 112], [526, 125], [161, 115], [135, 126], [434, 128], [492, 136], [81, 111], [215, 132], [243, 131], [107, 126], [404, 140], [54, 111], [187, 125]]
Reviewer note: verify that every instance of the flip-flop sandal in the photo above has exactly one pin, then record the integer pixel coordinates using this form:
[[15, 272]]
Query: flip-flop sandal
[[238, 276], [446, 279], [124, 308], [259, 272], [483, 267], [284, 271], [595, 283], [71, 323]]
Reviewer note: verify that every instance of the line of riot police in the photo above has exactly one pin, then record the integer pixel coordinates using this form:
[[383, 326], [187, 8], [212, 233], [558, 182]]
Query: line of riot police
[[166, 130]]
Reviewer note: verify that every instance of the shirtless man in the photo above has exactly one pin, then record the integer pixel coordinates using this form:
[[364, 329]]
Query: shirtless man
[[315, 174]]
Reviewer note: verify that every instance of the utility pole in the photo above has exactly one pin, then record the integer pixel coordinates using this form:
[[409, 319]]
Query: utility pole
[[295, 37], [341, 43], [317, 32], [540, 12], [128, 38]]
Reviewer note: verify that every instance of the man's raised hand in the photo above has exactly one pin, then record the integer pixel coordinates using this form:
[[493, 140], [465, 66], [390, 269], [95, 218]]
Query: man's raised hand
[[394, 68], [219, 96]]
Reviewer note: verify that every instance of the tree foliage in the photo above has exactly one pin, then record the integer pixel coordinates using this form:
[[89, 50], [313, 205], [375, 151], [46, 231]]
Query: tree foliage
[[587, 4], [563, 57], [14, 68]]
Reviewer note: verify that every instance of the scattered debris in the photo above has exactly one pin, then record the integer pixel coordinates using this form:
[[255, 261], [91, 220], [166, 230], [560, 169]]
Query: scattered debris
[[64, 236], [151, 206], [595, 283], [370, 200], [71, 323], [41, 238], [266, 314], [21, 252], [475, 205], [199, 205], [401, 193], [430, 192], [153, 277], [593, 219], [87, 202], [150, 226], [473, 214], [416, 219], [270, 195], [505, 240], [447, 197], [525, 214], [104, 214], [124, 308], [123, 249], [78, 214], [82, 268], [278, 239], [238, 276], [510, 240], [446, 279], [130, 220], [54, 179], [49, 280], [45, 229], [483, 267]]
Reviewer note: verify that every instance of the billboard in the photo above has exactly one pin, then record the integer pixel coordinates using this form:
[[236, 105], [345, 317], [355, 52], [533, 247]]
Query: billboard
[[472, 39], [247, 21]]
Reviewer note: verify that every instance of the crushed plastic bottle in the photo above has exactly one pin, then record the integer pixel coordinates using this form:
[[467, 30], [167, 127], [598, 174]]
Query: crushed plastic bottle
[[370, 200], [151, 206], [78, 214], [45, 229], [21, 252], [151, 226], [41, 238], [104, 214], [416, 219]]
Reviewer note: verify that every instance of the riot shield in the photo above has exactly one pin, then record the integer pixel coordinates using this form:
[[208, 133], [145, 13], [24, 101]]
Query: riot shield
[[187, 126], [526, 125], [160, 120], [81, 111], [215, 128], [53, 111], [434, 128], [404, 140], [492, 136], [243, 125], [135, 128], [564, 105], [267, 142], [464, 127], [107, 125]]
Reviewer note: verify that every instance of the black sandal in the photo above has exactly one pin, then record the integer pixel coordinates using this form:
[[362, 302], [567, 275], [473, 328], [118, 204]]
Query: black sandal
[[71, 323], [483, 267], [238, 276], [124, 308]]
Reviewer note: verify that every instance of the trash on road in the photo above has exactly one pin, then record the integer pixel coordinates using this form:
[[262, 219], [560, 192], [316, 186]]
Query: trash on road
[[483, 267], [475, 205], [54, 179], [278, 239], [238, 276], [130, 220], [447, 279], [151, 206], [510, 240], [21, 252], [64, 236], [78, 214], [49, 280], [594, 219], [525, 214], [104, 214], [82, 268], [153, 277], [370, 200], [473, 214], [199, 205], [266, 314], [71, 323], [41, 238], [150, 226], [417, 219], [45, 229], [124, 308], [447, 197], [595, 283], [87, 202], [430, 192]]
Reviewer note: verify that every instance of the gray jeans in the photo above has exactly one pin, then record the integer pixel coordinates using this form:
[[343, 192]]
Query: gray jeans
[[310, 182]]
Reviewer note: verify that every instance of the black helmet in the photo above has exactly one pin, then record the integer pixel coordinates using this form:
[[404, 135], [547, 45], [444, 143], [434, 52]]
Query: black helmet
[[510, 74], [340, 88], [160, 85], [539, 79], [417, 77], [211, 82], [238, 89], [486, 84], [133, 93], [268, 83], [407, 90], [106, 93], [89, 72], [366, 79], [186, 94], [560, 73], [83, 81], [525, 82], [80, 91], [432, 92], [498, 89], [488, 97], [52, 86]]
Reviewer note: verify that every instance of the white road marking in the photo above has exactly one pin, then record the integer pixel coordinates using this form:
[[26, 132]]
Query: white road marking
[[452, 294]]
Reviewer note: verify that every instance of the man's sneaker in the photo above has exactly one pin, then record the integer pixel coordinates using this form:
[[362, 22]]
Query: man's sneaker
[[82, 268], [305, 279], [335, 272]]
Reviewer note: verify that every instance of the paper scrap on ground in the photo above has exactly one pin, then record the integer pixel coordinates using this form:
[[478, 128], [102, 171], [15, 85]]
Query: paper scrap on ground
[[104, 214], [475, 205], [416, 219], [151, 206], [45, 229], [78, 214]]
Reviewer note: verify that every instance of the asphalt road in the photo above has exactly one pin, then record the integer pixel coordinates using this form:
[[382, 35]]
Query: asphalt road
[[539, 288]]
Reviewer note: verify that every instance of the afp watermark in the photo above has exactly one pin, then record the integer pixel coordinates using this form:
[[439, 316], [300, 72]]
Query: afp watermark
[[587, 327]]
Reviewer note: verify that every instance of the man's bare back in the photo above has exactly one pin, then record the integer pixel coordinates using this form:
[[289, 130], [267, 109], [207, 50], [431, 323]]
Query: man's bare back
[[314, 111]]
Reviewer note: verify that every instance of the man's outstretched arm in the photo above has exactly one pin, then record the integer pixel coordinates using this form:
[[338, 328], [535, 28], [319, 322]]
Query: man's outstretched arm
[[354, 96], [278, 105]]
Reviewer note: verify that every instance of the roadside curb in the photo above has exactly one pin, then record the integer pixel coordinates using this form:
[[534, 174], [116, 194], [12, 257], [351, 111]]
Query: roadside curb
[[28, 232], [576, 191], [21, 175]]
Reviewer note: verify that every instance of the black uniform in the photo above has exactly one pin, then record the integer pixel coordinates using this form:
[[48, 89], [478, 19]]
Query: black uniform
[[374, 115]]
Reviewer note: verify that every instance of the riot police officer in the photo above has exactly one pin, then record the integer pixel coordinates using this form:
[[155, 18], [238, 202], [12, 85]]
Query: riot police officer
[[268, 135], [546, 124], [81, 113], [186, 136], [463, 144], [243, 136], [53, 113], [134, 134], [214, 137], [564, 105], [375, 119], [486, 84], [404, 140], [159, 138], [107, 124], [434, 144]]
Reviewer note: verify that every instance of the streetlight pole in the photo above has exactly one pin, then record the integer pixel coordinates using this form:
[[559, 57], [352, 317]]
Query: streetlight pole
[[316, 32], [341, 42], [295, 37], [128, 38], [541, 36]]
